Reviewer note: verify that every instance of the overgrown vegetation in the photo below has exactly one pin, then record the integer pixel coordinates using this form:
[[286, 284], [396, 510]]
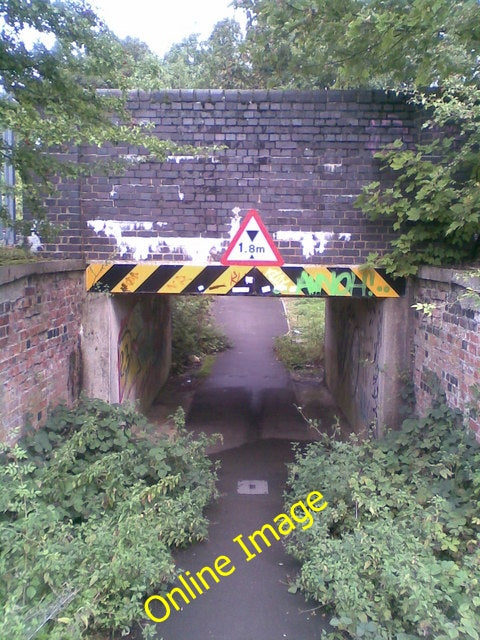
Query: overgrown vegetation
[[89, 511], [301, 349], [434, 203], [16, 255], [50, 102], [396, 554], [194, 335]]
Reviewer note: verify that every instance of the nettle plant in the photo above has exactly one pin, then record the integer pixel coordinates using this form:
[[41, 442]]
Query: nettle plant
[[89, 512], [396, 556]]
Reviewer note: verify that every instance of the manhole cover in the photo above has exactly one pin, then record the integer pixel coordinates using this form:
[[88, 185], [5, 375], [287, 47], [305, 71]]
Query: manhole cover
[[252, 487]]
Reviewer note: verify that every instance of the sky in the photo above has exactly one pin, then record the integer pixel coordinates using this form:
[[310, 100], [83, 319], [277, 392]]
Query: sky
[[161, 23]]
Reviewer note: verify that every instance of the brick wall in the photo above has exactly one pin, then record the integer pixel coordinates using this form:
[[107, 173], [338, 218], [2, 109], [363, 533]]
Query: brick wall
[[300, 158], [40, 362], [447, 344]]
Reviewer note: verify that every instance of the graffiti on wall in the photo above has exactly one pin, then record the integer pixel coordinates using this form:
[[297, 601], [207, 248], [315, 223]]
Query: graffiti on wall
[[315, 281], [287, 280], [139, 349], [358, 356]]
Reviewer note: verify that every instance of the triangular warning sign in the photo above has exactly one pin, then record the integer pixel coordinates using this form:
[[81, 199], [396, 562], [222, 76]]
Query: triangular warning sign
[[252, 245]]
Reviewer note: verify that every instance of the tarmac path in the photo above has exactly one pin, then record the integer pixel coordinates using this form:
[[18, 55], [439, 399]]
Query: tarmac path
[[249, 399]]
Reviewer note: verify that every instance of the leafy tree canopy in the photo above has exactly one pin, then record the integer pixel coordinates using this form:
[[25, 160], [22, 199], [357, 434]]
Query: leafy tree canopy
[[218, 62], [351, 43], [49, 96], [405, 45]]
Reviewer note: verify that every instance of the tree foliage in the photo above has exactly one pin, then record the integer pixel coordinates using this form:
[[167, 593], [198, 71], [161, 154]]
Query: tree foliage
[[405, 45], [351, 43], [434, 201], [49, 94], [50, 98], [218, 62]]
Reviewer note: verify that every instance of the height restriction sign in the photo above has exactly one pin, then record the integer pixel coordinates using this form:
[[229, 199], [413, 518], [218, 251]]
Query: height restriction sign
[[252, 245]]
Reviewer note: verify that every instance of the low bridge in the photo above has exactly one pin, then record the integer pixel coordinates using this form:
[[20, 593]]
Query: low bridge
[[299, 159]]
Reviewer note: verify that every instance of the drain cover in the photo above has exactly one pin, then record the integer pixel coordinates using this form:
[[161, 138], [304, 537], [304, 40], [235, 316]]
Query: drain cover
[[252, 487]]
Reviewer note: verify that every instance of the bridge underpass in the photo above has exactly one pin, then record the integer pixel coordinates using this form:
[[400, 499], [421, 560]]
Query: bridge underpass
[[365, 337], [249, 399], [300, 158], [162, 228]]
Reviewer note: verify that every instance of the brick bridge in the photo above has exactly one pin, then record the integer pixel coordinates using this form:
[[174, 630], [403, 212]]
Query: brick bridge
[[300, 159]]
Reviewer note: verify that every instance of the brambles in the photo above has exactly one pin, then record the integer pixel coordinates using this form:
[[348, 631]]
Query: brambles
[[397, 553], [89, 512]]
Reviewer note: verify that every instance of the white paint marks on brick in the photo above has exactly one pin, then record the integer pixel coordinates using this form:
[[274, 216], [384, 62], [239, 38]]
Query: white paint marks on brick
[[178, 159], [305, 238], [331, 168], [199, 250], [313, 242], [235, 222], [134, 158], [323, 238]]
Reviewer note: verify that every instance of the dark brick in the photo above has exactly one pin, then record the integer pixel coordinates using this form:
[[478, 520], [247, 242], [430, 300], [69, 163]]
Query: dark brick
[[292, 133]]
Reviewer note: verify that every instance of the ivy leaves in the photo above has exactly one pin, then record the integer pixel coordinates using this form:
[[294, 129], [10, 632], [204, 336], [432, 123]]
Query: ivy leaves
[[434, 202]]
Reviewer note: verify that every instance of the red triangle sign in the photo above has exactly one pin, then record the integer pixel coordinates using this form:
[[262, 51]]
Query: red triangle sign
[[252, 245]]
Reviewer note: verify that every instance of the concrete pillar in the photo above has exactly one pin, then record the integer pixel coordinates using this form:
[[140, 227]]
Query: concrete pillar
[[126, 347], [367, 358]]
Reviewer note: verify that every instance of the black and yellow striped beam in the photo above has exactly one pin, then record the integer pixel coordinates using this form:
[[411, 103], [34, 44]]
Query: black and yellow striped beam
[[288, 280]]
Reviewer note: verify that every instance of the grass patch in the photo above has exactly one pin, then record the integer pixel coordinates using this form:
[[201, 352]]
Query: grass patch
[[302, 347], [16, 255], [194, 333], [206, 366]]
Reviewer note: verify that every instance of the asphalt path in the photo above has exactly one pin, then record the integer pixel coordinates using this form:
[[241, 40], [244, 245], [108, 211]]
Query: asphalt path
[[249, 399], [249, 395]]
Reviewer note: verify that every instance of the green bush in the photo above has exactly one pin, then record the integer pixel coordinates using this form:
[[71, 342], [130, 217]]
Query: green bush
[[89, 512], [396, 554], [193, 333], [302, 346]]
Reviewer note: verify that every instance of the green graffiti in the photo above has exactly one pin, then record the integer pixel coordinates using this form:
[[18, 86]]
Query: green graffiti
[[344, 283], [333, 284]]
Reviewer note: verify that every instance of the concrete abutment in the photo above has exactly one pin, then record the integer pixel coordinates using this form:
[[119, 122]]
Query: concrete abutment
[[57, 341], [126, 347], [367, 359]]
